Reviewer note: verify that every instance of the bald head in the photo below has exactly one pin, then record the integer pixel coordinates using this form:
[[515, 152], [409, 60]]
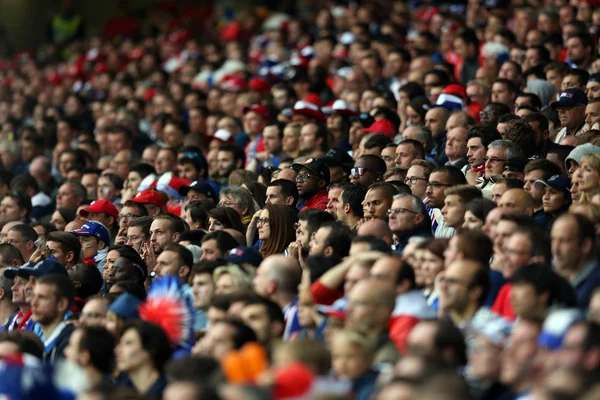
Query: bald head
[[375, 292], [284, 271], [376, 227], [287, 173], [517, 199], [456, 143], [40, 168], [492, 220]]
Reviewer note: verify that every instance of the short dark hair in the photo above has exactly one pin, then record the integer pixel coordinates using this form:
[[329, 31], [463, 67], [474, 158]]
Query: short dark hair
[[66, 241], [26, 341], [582, 75], [339, 238], [406, 273], [143, 169], [482, 280], [237, 151], [100, 344], [288, 188], [510, 86], [455, 175], [186, 258], [353, 195], [177, 224], [154, 340], [23, 202], [486, 133], [194, 236], [27, 232], [544, 280], [547, 167], [378, 140], [138, 206], [314, 219], [62, 284], [91, 283], [207, 267], [273, 310], [419, 150], [450, 336], [144, 223], [539, 118], [9, 253], [475, 245], [243, 333], [523, 135], [521, 220], [225, 241]]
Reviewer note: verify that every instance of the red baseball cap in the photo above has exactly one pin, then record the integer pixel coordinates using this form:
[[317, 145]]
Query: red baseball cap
[[259, 84], [100, 206], [383, 127], [149, 197], [259, 109]]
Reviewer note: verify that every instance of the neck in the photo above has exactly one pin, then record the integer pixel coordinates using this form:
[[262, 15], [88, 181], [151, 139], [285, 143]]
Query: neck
[[293, 154], [283, 299], [461, 316], [25, 308], [573, 128], [143, 378], [454, 159], [48, 330], [578, 267], [352, 220], [6, 310], [93, 375]]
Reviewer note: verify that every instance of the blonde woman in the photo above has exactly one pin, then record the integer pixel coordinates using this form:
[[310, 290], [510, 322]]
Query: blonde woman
[[232, 279], [588, 176]]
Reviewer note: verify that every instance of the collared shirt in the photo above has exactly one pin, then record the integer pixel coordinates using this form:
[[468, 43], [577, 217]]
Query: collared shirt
[[564, 133]]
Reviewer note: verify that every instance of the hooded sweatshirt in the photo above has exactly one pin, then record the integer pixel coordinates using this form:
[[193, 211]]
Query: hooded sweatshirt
[[542, 89]]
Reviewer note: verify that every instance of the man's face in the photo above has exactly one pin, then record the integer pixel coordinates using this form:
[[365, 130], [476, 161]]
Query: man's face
[[456, 143], [72, 351], [364, 174], [135, 238], [18, 290], [165, 162], [218, 341], [271, 139], [496, 160], [66, 197], [45, 304], [453, 211], [226, 163], [307, 182], [302, 234], [438, 182], [517, 356], [187, 171], [571, 117], [593, 90], [90, 183], [167, 264], [161, 234], [434, 120], [256, 317], [571, 353], [210, 251], [405, 154], [529, 187], [25, 246], [334, 201], [416, 174], [566, 248], [253, 123], [517, 253], [308, 138], [55, 250], [501, 94], [475, 152], [504, 230], [319, 242], [274, 195], [403, 218], [454, 288], [576, 51], [375, 204], [592, 111], [203, 290], [9, 210]]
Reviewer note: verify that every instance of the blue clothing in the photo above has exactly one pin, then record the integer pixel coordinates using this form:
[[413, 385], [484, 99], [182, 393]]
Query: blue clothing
[[364, 386], [402, 241], [242, 139], [542, 219], [438, 153], [585, 282], [496, 282]]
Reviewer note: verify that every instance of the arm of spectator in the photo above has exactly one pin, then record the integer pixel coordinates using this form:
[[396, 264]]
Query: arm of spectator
[[251, 231]]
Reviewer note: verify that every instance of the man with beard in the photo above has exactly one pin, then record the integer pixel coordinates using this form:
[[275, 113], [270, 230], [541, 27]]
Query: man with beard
[[309, 221], [312, 181], [229, 158], [165, 229]]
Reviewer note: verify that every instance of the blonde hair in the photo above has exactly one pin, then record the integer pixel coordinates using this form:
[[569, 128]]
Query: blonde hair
[[594, 162], [588, 210], [241, 278], [350, 337]]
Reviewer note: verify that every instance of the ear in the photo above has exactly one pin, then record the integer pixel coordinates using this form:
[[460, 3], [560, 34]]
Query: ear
[[63, 305], [347, 208], [184, 271], [419, 219], [77, 284], [16, 263], [245, 211], [23, 213], [70, 256], [238, 164], [289, 200], [587, 246], [475, 293], [111, 219], [328, 251], [176, 237], [85, 357], [277, 329]]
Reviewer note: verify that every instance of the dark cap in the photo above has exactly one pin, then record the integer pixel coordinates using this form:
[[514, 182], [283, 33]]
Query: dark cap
[[44, 267], [338, 158], [317, 167], [200, 187], [571, 98], [245, 255], [365, 119], [555, 182], [516, 164]]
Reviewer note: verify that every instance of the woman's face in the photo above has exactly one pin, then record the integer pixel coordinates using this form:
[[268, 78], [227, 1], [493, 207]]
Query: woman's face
[[472, 222], [214, 225], [263, 225], [588, 178], [414, 119], [418, 266], [130, 355], [58, 221], [133, 181], [113, 323], [432, 265], [225, 284], [553, 200]]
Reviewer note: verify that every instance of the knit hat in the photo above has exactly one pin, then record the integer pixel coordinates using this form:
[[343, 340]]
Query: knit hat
[[126, 306], [578, 152]]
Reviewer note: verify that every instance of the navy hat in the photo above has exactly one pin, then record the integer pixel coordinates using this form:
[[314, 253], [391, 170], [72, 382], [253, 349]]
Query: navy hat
[[571, 98], [595, 77], [44, 267], [126, 306], [200, 187], [338, 158], [317, 167], [365, 119], [555, 182], [95, 229], [196, 158], [245, 255]]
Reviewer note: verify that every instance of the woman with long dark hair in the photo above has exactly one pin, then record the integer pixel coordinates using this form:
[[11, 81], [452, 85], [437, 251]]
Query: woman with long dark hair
[[221, 218], [275, 225]]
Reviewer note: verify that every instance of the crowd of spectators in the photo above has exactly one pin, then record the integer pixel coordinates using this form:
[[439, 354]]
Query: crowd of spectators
[[370, 200]]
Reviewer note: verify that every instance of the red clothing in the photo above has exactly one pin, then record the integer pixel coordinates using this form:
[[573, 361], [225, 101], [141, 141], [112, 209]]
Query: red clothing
[[318, 201], [321, 294], [502, 304]]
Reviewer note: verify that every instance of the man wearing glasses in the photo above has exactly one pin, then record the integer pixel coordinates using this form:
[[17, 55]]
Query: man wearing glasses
[[367, 170], [407, 218], [439, 180], [312, 182], [571, 113]]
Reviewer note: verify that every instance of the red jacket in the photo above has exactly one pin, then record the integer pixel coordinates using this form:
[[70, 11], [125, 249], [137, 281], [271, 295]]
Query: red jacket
[[318, 201], [502, 304]]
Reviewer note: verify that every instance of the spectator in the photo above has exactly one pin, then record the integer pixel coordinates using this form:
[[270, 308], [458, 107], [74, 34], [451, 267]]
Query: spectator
[[216, 245]]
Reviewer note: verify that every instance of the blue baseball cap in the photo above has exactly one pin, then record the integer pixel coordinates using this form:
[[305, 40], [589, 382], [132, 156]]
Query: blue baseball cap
[[555, 182], [245, 255], [571, 98], [126, 306], [95, 229], [44, 267], [200, 187]]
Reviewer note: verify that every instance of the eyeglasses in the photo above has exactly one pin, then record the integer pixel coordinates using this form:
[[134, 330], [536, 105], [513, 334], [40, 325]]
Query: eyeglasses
[[262, 221], [393, 211], [14, 241], [493, 160], [361, 171], [226, 204], [413, 180], [128, 216], [304, 177], [436, 185]]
